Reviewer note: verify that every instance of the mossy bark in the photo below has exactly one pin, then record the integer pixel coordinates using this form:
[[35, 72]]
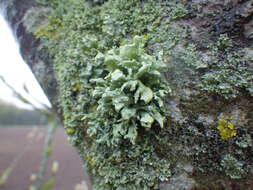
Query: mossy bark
[[16, 13], [207, 46]]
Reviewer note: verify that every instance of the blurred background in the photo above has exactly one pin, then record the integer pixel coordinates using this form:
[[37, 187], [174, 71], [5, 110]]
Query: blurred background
[[34, 150]]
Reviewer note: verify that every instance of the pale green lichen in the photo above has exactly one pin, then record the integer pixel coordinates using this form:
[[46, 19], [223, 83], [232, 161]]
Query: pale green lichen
[[85, 41], [224, 72], [244, 142], [88, 71], [36, 18], [233, 168], [130, 96]]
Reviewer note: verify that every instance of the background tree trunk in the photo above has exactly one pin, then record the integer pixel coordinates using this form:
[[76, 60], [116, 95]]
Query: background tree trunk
[[14, 12]]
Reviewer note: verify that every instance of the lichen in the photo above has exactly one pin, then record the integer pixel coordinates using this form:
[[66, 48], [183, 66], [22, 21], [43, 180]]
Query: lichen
[[125, 147], [244, 141], [227, 129], [88, 71], [233, 168], [130, 96], [223, 71], [36, 18]]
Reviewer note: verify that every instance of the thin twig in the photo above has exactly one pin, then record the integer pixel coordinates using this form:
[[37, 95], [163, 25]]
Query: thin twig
[[46, 154], [23, 99]]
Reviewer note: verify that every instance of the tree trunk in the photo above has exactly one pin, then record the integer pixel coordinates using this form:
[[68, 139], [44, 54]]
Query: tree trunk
[[206, 141], [30, 47]]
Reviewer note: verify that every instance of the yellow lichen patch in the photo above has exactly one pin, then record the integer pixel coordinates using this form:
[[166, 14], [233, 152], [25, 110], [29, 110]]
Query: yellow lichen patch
[[227, 129], [145, 36], [77, 86]]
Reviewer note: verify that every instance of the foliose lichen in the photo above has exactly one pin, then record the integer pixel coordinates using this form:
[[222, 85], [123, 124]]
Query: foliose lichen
[[130, 96], [114, 94]]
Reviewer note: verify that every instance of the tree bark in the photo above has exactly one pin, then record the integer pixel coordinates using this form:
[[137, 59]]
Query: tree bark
[[38, 60], [211, 105]]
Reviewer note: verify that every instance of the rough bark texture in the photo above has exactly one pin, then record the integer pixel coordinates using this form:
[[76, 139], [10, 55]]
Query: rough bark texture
[[207, 141], [14, 12]]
